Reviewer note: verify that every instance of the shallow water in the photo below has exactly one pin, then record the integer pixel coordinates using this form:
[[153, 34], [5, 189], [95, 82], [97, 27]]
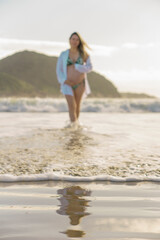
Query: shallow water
[[116, 147], [62, 210]]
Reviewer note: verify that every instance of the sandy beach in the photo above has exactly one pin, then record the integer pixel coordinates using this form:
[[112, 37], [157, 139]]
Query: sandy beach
[[102, 183], [64, 210]]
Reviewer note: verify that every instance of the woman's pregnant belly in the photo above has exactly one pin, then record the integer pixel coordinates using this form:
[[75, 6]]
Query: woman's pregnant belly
[[74, 75]]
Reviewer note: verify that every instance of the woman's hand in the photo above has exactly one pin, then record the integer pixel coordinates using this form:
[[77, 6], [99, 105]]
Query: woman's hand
[[72, 83], [69, 82]]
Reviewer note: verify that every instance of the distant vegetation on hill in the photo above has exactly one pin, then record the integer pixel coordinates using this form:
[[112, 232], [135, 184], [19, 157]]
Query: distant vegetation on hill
[[135, 95]]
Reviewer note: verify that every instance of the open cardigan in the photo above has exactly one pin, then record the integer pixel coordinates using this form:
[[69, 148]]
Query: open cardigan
[[61, 69]]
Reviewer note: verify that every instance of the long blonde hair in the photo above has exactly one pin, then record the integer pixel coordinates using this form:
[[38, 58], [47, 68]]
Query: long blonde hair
[[82, 45]]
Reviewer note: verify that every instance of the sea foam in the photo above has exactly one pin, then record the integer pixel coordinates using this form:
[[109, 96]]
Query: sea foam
[[54, 177], [89, 105]]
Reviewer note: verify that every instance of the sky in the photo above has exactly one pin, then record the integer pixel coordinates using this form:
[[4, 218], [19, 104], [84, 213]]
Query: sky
[[123, 34]]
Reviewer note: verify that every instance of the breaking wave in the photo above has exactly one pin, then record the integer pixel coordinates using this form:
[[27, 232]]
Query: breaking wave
[[89, 105]]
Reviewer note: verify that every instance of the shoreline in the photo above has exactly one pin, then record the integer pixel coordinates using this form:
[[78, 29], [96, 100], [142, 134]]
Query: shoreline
[[7, 178]]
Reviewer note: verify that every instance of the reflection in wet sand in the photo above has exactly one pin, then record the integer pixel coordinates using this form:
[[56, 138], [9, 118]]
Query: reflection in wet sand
[[73, 203], [74, 233]]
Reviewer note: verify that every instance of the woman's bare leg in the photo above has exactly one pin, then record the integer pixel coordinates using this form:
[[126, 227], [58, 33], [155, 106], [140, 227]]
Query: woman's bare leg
[[78, 93], [72, 107]]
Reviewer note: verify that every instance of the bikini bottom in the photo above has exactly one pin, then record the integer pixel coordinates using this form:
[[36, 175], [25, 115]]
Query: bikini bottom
[[75, 86]]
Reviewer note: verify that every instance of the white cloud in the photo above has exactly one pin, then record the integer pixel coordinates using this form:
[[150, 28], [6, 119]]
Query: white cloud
[[129, 45], [9, 46], [100, 50], [133, 45]]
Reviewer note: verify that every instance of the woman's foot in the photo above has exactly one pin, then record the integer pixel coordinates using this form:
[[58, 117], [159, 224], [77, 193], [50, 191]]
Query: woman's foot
[[72, 125]]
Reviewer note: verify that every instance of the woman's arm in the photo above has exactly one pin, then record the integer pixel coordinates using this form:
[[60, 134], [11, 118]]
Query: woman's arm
[[70, 83], [84, 68]]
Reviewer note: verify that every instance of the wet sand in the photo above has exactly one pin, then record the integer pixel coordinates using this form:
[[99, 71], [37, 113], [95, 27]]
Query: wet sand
[[114, 145], [66, 210]]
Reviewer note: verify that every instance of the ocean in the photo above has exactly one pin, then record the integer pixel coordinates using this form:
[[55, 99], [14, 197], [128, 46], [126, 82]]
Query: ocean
[[119, 140]]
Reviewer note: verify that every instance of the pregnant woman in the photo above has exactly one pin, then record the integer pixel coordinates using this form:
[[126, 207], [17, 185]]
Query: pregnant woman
[[72, 67]]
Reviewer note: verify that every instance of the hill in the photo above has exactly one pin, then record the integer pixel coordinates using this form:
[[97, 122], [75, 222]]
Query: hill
[[32, 74], [135, 95], [10, 85]]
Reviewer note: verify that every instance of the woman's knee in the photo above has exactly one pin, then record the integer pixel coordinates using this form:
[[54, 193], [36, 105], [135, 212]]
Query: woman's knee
[[71, 103], [73, 107]]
